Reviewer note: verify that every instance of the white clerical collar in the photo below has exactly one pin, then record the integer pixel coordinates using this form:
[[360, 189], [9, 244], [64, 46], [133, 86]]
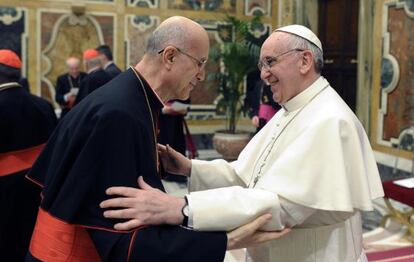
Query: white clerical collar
[[306, 95], [9, 85]]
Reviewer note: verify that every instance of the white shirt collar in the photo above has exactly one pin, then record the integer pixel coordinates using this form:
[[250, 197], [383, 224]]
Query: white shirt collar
[[93, 69], [108, 64], [306, 95]]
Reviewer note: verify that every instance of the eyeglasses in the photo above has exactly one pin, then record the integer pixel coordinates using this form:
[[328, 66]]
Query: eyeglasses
[[268, 62], [200, 62]]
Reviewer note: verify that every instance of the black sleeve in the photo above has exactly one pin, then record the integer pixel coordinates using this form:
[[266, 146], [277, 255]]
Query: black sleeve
[[60, 91], [160, 243], [83, 90]]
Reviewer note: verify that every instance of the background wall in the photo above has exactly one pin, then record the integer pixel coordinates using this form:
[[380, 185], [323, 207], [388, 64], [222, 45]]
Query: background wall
[[45, 32], [392, 107]]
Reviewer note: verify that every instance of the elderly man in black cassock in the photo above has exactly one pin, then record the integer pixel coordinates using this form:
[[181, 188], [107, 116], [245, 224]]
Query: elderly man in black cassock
[[96, 76], [67, 85], [26, 122], [110, 139]]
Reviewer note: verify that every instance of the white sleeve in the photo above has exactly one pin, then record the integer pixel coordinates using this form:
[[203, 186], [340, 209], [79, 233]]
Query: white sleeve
[[212, 174], [225, 209]]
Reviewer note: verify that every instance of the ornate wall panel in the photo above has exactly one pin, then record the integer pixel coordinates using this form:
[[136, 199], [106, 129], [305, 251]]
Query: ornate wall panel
[[393, 91], [63, 28], [13, 32], [63, 35], [144, 3], [257, 7], [225, 6], [137, 31]]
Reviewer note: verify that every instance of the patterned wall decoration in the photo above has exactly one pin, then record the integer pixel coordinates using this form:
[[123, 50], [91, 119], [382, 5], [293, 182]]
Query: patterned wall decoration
[[138, 30], [57, 29], [81, 32], [257, 7], [83, 1], [396, 107], [226, 6], [144, 3], [13, 32]]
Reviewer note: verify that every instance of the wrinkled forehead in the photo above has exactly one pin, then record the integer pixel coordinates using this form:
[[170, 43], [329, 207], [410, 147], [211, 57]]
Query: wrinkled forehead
[[276, 43]]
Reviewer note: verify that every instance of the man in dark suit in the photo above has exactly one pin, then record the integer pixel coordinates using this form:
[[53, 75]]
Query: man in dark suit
[[108, 65], [26, 123], [67, 85], [96, 76]]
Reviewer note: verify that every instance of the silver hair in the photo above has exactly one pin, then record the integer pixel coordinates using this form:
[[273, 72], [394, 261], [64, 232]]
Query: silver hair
[[301, 43], [72, 60], [168, 34]]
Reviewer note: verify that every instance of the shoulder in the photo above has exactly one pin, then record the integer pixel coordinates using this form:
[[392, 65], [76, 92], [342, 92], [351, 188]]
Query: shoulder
[[62, 77], [41, 101]]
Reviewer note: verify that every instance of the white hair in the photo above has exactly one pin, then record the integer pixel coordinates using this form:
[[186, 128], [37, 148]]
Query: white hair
[[167, 34], [93, 62], [301, 43]]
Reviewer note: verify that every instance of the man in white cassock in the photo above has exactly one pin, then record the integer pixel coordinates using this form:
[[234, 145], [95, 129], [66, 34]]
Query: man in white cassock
[[311, 167]]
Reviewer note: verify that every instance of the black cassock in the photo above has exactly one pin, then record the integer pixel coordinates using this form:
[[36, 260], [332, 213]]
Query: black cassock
[[108, 140], [26, 122], [91, 82], [64, 84], [112, 70], [171, 132]]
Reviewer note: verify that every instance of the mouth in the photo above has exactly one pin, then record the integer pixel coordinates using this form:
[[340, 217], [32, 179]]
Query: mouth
[[273, 84]]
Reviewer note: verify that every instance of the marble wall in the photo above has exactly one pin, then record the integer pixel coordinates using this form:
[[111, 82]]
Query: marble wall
[[13, 33], [46, 32], [392, 108]]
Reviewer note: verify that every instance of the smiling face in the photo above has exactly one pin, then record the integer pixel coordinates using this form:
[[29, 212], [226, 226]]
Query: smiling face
[[284, 74]]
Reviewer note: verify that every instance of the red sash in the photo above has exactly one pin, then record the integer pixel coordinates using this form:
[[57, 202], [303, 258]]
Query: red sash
[[16, 161], [266, 112], [189, 142], [56, 240]]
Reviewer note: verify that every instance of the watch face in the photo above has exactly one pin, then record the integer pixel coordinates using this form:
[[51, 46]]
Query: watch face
[[186, 210]]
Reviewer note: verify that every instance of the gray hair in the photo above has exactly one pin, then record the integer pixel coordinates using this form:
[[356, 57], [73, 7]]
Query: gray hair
[[168, 34], [94, 62], [301, 43]]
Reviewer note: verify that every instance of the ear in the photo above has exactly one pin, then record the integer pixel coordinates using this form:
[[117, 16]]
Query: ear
[[306, 62], [169, 56]]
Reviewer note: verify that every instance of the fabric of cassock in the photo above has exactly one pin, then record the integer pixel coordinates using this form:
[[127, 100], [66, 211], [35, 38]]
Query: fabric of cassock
[[26, 122], [109, 140], [112, 70], [313, 153], [64, 84], [91, 82], [171, 131]]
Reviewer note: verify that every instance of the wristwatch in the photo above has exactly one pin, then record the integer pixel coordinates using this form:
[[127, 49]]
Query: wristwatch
[[185, 212]]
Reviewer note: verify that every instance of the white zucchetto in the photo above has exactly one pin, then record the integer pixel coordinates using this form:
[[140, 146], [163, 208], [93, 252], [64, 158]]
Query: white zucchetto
[[303, 32]]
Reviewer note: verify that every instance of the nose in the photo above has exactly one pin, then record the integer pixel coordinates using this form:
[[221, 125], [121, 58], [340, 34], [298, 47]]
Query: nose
[[201, 74], [264, 74]]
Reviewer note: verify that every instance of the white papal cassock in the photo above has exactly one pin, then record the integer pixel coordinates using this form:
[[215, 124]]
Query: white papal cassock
[[311, 166]]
